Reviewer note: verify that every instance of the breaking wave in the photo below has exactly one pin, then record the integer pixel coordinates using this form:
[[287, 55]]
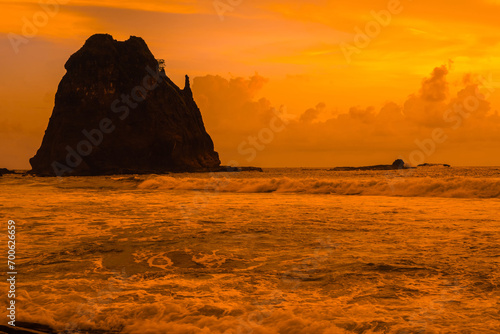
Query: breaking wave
[[454, 187]]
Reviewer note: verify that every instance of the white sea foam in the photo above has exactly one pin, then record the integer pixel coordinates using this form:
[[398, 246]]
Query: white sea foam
[[273, 252], [452, 187]]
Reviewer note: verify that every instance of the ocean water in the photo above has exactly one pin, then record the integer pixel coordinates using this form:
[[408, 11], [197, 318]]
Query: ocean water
[[284, 251]]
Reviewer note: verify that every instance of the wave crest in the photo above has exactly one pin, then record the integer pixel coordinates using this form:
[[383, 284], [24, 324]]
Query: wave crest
[[405, 187]]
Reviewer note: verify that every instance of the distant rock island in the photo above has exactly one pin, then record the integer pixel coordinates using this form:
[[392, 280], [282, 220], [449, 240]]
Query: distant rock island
[[117, 112], [241, 169], [4, 171], [433, 165], [398, 164]]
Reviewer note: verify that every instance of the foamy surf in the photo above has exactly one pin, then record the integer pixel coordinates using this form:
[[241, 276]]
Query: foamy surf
[[451, 187], [284, 251]]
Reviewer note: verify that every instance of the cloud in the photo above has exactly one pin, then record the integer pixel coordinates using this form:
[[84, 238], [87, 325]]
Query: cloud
[[230, 106], [171, 6], [426, 107], [435, 88], [363, 135], [312, 114]]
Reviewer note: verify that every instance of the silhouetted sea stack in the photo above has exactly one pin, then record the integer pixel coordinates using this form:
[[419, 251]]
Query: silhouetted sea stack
[[116, 112]]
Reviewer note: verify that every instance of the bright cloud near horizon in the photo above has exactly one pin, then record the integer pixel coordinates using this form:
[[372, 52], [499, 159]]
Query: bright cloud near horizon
[[361, 82]]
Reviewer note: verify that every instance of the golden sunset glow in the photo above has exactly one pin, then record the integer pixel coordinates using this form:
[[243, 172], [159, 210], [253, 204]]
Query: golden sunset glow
[[250, 167], [298, 54]]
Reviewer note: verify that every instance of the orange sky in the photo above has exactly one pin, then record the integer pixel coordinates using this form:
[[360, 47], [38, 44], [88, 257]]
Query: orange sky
[[370, 107]]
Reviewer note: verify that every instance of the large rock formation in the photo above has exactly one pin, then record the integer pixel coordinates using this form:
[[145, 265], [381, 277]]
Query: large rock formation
[[117, 112]]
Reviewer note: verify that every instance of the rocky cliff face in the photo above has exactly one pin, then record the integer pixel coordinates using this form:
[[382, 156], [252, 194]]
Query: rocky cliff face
[[116, 112]]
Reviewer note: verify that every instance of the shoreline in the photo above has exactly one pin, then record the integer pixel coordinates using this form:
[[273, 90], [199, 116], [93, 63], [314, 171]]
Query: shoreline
[[38, 328]]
